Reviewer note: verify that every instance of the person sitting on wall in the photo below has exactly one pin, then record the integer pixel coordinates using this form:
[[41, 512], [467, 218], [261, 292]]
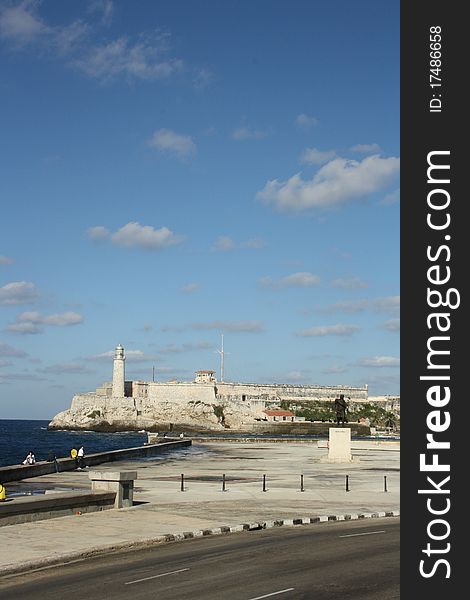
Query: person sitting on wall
[[30, 459]]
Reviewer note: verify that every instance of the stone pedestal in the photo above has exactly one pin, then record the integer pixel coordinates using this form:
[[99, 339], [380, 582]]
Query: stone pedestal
[[339, 446], [121, 482]]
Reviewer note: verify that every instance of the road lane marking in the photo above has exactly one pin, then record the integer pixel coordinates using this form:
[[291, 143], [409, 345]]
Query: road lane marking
[[155, 576], [366, 533], [273, 594]]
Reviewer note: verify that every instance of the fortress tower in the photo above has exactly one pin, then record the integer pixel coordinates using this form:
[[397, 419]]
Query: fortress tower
[[118, 372]]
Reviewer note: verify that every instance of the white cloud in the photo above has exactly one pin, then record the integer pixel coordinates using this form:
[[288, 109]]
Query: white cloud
[[144, 236], [140, 60], [98, 233], [19, 24], [350, 283], [380, 361], [336, 183], [18, 292], [247, 133], [223, 243], [59, 319], [190, 288], [313, 156], [146, 58], [302, 279], [392, 325], [5, 260], [24, 328], [325, 330], [366, 148], [32, 322], [305, 121], [134, 234], [170, 142], [387, 304]]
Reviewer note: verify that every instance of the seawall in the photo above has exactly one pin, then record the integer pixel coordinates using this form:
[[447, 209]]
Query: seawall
[[19, 472]]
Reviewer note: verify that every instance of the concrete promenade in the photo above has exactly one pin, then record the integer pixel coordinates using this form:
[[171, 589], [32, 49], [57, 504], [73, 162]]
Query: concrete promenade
[[162, 512]]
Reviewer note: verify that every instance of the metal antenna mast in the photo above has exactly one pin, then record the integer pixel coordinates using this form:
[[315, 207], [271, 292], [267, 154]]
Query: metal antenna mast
[[221, 352]]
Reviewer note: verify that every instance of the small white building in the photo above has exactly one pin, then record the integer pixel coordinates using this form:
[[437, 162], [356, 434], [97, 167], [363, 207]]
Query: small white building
[[205, 376]]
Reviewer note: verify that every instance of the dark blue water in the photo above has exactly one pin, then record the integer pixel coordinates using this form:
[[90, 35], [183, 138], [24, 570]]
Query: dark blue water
[[18, 437]]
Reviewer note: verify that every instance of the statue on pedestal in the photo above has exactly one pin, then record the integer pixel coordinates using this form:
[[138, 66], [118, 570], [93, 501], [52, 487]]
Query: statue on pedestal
[[340, 408]]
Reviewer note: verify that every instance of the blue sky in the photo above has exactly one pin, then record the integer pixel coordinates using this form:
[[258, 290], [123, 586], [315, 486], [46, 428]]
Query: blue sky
[[172, 171]]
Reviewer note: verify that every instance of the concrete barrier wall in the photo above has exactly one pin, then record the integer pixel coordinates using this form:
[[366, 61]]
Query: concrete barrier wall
[[28, 509], [19, 472]]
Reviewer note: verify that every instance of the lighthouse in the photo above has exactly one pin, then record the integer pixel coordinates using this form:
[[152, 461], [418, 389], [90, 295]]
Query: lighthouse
[[118, 372]]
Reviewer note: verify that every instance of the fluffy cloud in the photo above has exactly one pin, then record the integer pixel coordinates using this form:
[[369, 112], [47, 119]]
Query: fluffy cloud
[[380, 361], [301, 279], [20, 25], [144, 58], [324, 330], [18, 292], [135, 60], [32, 322], [305, 121], [336, 183], [170, 142], [135, 235]]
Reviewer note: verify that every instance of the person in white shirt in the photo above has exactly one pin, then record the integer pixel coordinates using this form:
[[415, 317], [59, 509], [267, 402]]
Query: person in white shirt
[[80, 456]]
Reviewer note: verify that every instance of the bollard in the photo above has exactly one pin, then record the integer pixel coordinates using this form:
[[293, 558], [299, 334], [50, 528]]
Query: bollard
[[3, 493], [264, 483], [182, 482], [302, 482], [347, 483], [223, 482], [385, 483]]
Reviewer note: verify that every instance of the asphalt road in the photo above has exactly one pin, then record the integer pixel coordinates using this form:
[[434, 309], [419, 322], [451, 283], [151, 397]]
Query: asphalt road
[[347, 560]]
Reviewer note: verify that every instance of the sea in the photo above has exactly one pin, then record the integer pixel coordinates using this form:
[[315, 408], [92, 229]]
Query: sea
[[18, 437]]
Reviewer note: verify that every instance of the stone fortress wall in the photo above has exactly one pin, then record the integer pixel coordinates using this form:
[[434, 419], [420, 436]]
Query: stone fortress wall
[[204, 402]]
